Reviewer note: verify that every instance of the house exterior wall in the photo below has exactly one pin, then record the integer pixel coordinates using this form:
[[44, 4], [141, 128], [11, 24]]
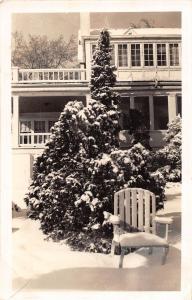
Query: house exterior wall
[[39, 95]]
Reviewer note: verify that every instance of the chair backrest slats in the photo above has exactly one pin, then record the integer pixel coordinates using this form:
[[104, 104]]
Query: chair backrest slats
[[140, 209], [147, 211], [135, 206], [127, 206], [116, 204], [122, 207], [153, 214]]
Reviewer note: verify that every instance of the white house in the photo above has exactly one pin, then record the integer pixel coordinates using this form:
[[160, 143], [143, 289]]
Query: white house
[[148, 62]]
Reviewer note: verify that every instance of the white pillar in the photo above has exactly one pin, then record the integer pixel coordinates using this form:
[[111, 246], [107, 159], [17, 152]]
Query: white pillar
[[88, 98], [15, 74], [15, 121], [132, 102], [151, 112], [172, 106]]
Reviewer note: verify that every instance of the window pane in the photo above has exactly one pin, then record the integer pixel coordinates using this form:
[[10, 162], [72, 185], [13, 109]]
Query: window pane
[[39, 126], [25, 126], [161, 55], [135, 55], [148, 54], [122, 55], [142, 105], [174, 54], [160, 112]]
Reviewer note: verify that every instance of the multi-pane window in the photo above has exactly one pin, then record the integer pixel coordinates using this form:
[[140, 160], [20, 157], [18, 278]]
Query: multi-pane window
[[161, 54], [135, 55], [174, 54], [39, 126], [25, 126], [122, 55], [148, 54]]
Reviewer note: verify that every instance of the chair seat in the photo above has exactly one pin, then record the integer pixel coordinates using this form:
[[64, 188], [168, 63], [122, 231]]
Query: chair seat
[[141, 239]]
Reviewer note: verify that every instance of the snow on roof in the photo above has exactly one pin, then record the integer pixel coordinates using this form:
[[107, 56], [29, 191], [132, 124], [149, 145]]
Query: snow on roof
[[139, 31]]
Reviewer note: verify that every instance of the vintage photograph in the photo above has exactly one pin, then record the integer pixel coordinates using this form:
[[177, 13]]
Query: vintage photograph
[[96, 100]]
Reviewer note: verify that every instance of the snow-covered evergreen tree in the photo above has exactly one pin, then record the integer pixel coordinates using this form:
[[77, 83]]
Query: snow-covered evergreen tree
[[103, 77], [81, 167]]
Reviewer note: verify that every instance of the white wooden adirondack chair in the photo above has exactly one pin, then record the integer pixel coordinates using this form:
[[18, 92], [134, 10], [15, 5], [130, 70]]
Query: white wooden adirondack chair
[[136, 207]]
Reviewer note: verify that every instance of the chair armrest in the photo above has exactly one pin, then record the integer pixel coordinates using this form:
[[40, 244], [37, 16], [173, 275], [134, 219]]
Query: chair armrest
[[112, 219], [163, 220]]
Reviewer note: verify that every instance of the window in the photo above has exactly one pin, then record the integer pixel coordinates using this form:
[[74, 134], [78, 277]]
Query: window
[[135, 55], [39, 126], [160, 112], [148, 54], [161, 54], [25, 126], [174, 54], [142, 105], [122, 55]]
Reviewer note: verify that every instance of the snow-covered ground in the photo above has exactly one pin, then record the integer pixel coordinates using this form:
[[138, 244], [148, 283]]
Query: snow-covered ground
[[41, 265]]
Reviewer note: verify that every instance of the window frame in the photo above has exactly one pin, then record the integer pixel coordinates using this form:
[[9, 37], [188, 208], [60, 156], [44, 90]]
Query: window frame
[[153, 60], [166, 57], [135, 55], [178, 54], [127, 55]]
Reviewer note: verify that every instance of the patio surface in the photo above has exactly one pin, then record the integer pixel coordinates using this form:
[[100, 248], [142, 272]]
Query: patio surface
[[40, 265]]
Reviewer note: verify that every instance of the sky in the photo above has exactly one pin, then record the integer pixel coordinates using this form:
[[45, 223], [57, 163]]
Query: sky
[[55, 24]]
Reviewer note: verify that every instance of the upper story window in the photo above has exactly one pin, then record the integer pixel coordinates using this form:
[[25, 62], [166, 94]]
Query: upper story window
[[161, 54], [122, 55], [135, 55], [148, 55], [174, 54]]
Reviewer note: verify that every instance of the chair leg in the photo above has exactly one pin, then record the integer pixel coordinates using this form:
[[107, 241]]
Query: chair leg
[[121, 258], [166, 250], [113, 248], [150, 250]]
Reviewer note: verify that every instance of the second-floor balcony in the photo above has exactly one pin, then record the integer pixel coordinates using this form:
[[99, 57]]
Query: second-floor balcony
[[24, 76]]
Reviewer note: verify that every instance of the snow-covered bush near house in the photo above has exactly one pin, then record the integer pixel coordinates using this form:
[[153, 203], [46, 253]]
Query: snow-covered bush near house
[[168, 159], [135, 164]]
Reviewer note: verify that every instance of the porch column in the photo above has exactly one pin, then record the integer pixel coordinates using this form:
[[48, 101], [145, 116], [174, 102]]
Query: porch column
[[15, 121], [88, 98], [172, 106], [132, 102], [151, 112]]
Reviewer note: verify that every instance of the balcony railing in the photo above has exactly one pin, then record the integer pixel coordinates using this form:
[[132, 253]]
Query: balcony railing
[[33, 139], [47, 75]]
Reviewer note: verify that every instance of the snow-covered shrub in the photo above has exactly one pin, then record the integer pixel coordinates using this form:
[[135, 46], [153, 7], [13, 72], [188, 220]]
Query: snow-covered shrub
[[168, 159], [135, 164]]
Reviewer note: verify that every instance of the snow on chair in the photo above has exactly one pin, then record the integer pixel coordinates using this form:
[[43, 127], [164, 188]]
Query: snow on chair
[[136, 208]]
